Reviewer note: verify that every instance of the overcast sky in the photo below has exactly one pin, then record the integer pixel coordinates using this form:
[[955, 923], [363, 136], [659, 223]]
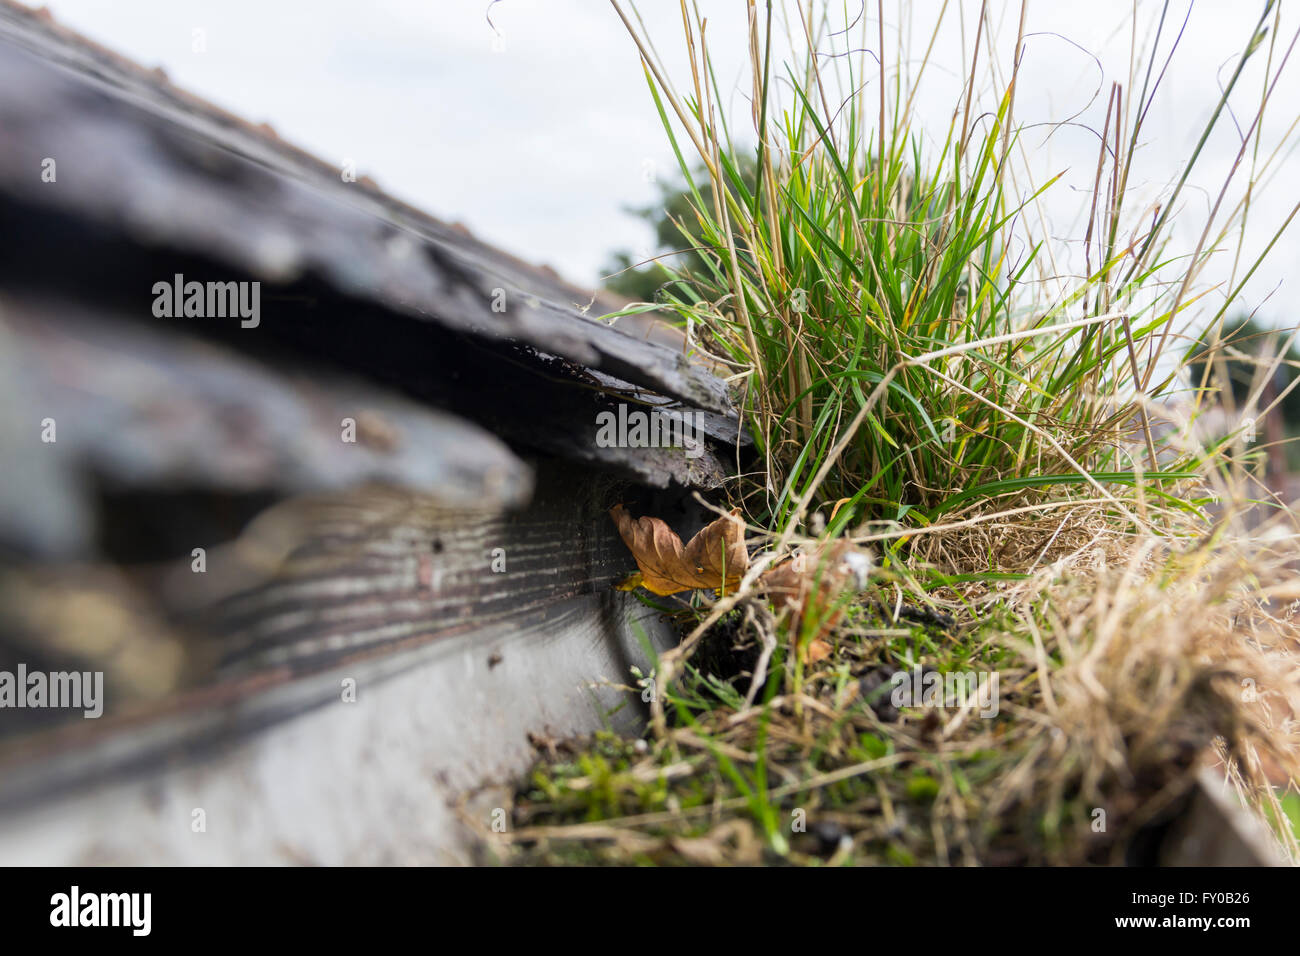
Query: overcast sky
[[536, 130]]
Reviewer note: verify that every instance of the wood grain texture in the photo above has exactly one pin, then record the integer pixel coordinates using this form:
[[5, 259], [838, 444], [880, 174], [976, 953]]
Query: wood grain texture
[[346, 581]]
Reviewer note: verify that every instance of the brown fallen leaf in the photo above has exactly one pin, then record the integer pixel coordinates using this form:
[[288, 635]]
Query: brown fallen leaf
[[714, 558], [810, 587], [817, 650]]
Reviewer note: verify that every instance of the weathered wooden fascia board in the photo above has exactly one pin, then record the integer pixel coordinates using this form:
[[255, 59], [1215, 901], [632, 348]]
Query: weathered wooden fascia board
[[725, 431], [130, 156], [370, 578], [327, 782], [143, 406], [136, 408]]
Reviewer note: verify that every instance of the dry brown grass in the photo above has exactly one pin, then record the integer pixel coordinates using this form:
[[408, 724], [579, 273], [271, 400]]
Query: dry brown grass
[[1127, 661]]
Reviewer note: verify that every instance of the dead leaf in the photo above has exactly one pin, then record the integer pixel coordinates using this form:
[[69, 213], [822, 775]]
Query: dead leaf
[[817, 650], [810, 587], [698, 850], [668, 567]]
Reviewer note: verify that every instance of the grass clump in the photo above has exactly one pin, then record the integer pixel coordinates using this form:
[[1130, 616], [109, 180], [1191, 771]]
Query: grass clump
[[861, 285], [1017, 449]]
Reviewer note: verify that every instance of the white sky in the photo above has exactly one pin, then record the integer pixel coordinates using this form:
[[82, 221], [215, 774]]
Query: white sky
[[539, 138]]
